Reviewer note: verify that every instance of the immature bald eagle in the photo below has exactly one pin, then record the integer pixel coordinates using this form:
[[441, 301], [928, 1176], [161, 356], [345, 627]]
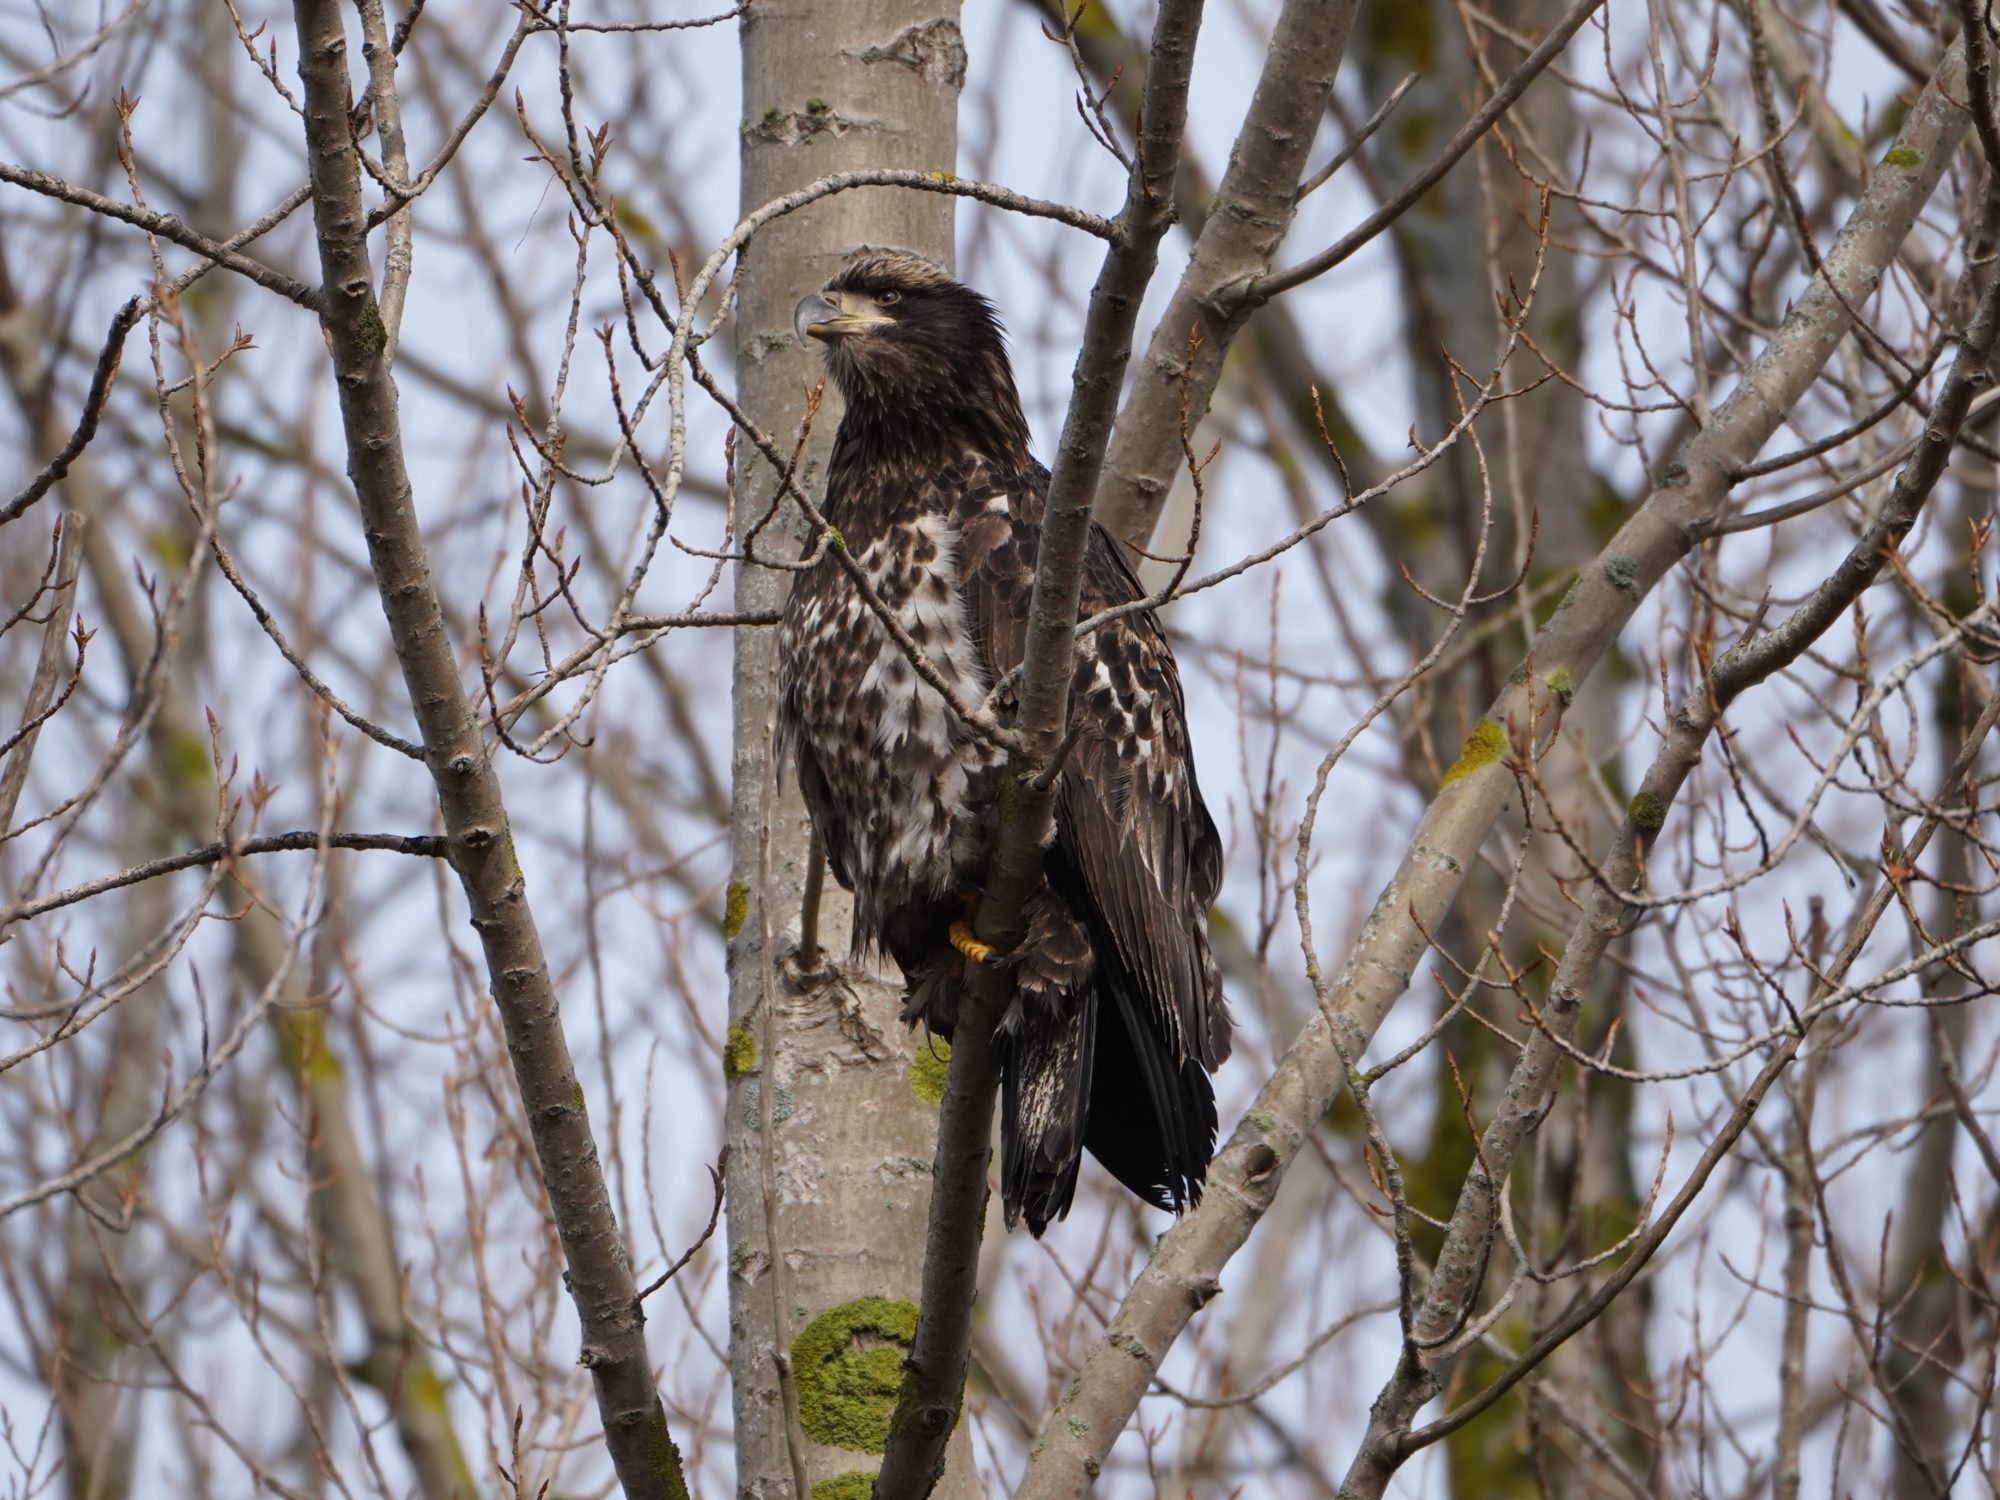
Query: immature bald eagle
[[1119, 1017]]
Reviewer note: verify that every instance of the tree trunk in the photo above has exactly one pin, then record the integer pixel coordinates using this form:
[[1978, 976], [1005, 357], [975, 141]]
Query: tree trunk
[[832, 1114]]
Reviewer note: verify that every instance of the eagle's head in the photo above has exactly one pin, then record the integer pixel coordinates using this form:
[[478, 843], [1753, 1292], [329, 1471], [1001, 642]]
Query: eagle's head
[[911, 348]]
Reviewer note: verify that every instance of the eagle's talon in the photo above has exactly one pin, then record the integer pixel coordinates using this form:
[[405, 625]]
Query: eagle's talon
[[963, 940]]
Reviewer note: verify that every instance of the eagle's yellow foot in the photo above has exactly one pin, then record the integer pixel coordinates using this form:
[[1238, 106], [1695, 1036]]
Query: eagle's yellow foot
[[962, 937], [963, 940]]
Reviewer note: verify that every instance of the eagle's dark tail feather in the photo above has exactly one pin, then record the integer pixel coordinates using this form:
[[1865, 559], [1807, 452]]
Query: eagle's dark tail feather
[[1152, 1120]]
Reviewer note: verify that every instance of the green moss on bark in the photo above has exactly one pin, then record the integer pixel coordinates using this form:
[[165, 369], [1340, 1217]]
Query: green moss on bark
[[1486, 744], [1649, 812], [370, 332], [848, 1363], [665, 1456], [302, 1046], [928, 1069], [186, 760], [739, 1053]]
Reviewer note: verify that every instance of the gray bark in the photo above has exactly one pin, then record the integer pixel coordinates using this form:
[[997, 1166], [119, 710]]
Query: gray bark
[[1928, 1338]]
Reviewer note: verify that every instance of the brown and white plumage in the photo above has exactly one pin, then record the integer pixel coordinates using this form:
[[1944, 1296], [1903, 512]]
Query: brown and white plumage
[[1119, 1016]]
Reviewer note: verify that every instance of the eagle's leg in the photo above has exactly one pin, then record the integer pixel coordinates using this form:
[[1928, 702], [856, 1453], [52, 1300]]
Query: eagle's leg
[[960, 933]]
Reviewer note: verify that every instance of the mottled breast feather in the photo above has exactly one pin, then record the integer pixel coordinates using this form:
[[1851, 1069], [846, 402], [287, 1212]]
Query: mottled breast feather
[[892, 776]]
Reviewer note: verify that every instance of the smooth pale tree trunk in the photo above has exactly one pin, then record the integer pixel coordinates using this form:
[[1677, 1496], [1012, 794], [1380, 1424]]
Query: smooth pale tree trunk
[[832, 1114]]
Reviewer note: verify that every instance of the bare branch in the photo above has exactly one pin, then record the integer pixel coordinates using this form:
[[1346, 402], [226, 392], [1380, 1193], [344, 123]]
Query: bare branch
[[1254, 207], [422, 845], [1245, 1175], [86, 425], [1454, 1288], [166, 226], [1264, 288], [468, 791]]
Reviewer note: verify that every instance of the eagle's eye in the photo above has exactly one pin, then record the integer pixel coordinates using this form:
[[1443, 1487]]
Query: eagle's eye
[[889, 298]]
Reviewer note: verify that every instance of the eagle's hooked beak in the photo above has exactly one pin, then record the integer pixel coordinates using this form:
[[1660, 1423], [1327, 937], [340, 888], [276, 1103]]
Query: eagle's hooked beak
[[817, 318]]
